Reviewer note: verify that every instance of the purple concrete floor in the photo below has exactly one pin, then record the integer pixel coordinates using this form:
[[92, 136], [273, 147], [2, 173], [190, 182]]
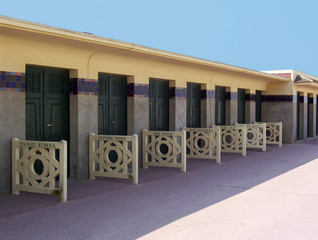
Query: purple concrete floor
[[266, 195]]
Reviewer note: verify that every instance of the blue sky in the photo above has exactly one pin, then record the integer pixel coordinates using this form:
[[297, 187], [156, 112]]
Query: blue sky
[[254, 34]]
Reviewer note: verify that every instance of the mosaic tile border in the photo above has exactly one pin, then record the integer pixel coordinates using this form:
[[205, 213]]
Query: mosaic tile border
[[250, 97], [278, 98], [12, 81], [179, 93], [83, 86], [207, 94], [231, 96], [138, 90]]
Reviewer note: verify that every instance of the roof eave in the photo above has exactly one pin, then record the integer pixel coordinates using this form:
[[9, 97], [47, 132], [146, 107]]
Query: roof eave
[[79, 36]]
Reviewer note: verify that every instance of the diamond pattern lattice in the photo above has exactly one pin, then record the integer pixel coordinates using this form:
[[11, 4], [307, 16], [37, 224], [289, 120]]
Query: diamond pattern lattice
[[114, 156], [233, 139], [204, 143], [164, 149], [39, 167]]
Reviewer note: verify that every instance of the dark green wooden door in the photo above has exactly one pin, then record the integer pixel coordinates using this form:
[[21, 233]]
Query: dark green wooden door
[[47, 104], [316, 115], [298, 117], [241, 105], [258, 106], [193, 105], [158, 105], [112, 104], [219, 105]]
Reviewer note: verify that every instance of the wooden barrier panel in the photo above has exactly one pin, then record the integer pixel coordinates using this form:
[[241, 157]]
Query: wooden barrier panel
[[255, 135], [274, 133], [50, 174], [113, 156], [204, 143], [233, 139], [164, 149]]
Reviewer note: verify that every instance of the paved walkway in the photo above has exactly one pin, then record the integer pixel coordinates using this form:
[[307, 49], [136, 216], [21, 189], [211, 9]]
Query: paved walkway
[[266, 195]]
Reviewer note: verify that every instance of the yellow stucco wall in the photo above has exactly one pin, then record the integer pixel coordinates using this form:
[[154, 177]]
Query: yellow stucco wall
[[86, 60], [305, 90]]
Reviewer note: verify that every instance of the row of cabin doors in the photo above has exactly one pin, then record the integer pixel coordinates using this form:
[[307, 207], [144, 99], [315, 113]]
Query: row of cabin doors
[[47, 104], [300, 117], [220, 106], [159, 105]]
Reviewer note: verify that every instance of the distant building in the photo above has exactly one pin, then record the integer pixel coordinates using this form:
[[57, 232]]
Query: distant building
[[302, 117]]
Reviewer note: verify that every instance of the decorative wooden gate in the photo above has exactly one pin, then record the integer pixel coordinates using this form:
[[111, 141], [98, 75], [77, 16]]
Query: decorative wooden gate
[[164, 149], [255, 135], [274, 133], [204, 143], [113, 156], [233, 139], [50, 178]]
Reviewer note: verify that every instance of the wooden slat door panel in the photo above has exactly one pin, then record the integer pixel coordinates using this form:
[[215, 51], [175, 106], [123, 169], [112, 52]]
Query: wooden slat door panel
[[47, 104], [56, 106], [159, 105], [241, 105], [219, 105], [298, 117], [112, 104], [258, 105], [34, 103], [193, 105]]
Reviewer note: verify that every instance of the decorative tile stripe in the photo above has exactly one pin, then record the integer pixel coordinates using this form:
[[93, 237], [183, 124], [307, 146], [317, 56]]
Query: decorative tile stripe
[[83, 86], [175, 92], [207, 94], [231, 96], [12, 81], [278, 98], [250, 97], [138, 90]]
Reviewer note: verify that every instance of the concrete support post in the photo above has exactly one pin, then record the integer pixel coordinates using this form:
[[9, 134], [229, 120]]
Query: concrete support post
[[278, 109], [250, 105], [177, 108], [231, 106], [83, 121], [137, 111], [314, 114], [303, 117], [310, 117], [207, 108], [12, 124]]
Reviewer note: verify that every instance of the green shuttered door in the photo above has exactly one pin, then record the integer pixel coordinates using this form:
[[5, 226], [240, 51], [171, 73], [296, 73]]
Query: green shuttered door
[[47, 104], [258, 105], [241, 106], [112, 104], [193, 105], [298, 117], [158, 105], [219, 105]]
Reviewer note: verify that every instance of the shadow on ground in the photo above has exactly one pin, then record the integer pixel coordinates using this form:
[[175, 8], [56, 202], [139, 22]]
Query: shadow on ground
[[115, 209]]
